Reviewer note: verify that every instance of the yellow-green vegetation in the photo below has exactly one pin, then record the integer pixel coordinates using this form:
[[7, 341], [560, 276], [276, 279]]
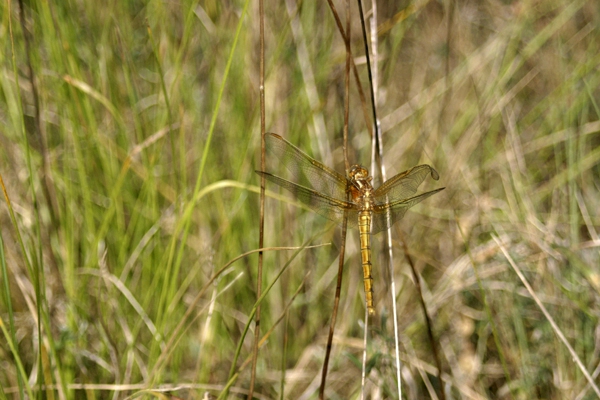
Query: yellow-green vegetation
[[129, 136]]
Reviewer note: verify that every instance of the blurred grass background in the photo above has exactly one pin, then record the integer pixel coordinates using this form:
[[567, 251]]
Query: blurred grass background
[[131, 179]]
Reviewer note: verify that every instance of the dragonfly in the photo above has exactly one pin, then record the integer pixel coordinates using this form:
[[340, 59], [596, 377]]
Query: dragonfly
[[334, 195]]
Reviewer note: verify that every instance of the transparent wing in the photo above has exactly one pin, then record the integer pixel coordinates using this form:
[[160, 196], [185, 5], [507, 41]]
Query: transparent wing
[[305, 170], [327, 206], [404, 184], [388, 214]]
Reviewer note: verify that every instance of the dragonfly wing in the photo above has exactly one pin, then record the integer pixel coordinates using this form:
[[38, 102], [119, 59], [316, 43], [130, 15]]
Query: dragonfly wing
[[404, 184], [328, 207], [386, 215], [305, 170]]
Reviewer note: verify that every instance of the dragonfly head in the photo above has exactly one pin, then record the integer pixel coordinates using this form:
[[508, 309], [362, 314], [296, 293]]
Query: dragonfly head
[[359, 176]]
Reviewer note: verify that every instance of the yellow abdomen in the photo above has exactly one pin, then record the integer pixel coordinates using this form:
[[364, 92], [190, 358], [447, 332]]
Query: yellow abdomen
[[364, 227]]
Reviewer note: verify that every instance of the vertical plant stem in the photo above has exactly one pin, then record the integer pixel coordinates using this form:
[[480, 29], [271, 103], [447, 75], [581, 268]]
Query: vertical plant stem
[[338, 287], [261, 232]]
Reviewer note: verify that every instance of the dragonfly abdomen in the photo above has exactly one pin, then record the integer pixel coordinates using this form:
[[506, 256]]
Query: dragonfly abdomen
[[364, 227]]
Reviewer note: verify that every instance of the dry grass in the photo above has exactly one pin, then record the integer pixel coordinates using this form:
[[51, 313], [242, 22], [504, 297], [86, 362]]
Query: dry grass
[[134, 185]]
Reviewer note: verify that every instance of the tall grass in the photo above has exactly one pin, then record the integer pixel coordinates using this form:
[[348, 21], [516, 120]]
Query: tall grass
[[128, 201]]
